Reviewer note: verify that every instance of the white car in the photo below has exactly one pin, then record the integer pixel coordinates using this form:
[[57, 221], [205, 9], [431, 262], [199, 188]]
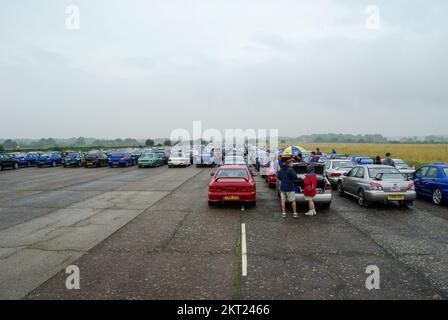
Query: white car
[[234, 160], [178, 159], [334, 169], [404, 168]]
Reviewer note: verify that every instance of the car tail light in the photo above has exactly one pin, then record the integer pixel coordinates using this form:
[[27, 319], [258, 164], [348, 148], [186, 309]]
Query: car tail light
[[411, 186], [327, 187], [376, 186], [335, 174], [214, 189]]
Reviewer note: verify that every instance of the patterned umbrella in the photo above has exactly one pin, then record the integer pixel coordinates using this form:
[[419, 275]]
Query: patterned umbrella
[[291, 150]]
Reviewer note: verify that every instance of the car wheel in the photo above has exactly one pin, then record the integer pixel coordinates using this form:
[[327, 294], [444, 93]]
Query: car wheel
[[211, 204], [340, 189], [437, 197], [362, 198]]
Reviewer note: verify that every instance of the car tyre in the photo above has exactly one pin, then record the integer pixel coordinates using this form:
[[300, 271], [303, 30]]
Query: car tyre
[[211, 204], [437, 197], [362, 198], [340, 189]]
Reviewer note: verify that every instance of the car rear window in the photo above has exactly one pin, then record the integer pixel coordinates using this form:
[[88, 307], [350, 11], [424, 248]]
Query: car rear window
[[232, 173], [387, 173], [342, 164]]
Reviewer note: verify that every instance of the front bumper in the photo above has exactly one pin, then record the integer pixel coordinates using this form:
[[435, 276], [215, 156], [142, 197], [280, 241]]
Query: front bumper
[[380, 196], [243, 196], [319, 198], [147, 164]]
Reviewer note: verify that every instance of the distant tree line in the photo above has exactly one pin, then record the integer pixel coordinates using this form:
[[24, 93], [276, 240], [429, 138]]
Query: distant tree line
[[80, 142]]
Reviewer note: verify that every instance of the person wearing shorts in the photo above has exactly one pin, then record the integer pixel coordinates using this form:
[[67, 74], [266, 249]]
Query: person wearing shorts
[[310, 191], [287, 176]]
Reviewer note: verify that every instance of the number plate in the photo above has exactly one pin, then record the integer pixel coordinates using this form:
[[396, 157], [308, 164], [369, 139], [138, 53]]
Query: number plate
[[396, 197], [232, 198]]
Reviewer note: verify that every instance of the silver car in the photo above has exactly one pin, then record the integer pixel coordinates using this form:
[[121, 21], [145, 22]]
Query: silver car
[[334, 169], [377, 183], [404, 168]]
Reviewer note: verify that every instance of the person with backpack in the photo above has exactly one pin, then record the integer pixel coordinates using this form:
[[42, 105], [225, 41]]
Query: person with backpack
[[310, 189]]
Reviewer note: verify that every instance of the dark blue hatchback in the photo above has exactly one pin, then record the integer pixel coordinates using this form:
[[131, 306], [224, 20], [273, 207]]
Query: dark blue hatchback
[[431, 181]]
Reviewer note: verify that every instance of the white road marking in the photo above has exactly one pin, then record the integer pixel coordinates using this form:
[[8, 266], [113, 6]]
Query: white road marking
[[243, 250]]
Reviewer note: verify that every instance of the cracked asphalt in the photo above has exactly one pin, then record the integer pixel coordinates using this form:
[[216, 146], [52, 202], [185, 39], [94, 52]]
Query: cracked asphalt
[[149, 234]]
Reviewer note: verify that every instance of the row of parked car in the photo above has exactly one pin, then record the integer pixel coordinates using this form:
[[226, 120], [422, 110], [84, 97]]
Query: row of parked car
[[91, 159], [357, 176]]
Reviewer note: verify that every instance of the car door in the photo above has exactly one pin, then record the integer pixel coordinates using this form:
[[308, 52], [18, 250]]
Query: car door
[[349, 180], [358, 180], [418, 179], [430, 180]]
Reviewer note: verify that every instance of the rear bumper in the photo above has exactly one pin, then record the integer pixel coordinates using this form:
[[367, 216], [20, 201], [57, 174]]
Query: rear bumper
[[319, 198], [333, 180], [379, 196], [243, 196], [178, 164]]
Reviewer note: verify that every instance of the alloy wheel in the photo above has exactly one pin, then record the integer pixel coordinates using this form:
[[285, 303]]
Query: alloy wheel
[[437, 196]]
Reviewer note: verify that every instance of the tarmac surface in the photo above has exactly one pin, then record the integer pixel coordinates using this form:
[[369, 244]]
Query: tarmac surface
[[150, 234]]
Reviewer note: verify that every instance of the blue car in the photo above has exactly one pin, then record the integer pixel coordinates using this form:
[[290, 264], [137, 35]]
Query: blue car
[[49, 159], [361, 159], [431, 181], [26, 159], [204, 160], [73, 159], [121, 159]]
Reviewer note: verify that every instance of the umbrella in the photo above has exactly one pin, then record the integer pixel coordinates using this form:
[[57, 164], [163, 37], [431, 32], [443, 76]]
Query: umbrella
[[291, 150]]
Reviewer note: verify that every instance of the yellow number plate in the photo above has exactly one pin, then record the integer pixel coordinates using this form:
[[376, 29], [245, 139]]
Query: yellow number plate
[[396, 197], [231, 198]]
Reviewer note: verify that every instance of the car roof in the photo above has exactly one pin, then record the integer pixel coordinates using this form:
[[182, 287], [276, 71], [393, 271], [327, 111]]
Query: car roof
[[233, 166], [376, 166], [437, 164]]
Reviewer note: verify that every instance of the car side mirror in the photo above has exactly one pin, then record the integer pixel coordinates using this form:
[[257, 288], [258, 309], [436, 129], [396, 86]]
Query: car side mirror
[[212, 174], [346, 174]]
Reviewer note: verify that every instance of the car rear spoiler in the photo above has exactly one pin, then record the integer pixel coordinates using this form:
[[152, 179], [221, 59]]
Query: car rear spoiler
[[245, 178]]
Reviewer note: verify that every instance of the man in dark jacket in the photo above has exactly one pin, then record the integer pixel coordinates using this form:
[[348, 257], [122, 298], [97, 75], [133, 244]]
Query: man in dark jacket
[[388, 161], [287, 176]]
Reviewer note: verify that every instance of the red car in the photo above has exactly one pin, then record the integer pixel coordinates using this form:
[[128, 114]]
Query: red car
[[232, 183]]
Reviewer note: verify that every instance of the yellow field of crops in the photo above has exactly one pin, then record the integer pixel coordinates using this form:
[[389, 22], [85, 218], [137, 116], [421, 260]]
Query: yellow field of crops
[[416, 154]]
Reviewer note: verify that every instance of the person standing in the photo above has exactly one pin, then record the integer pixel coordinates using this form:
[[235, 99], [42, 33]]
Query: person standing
[[318, 152], [310, 190], [314, 158], [377, 160], [388, 160], [287, 176]]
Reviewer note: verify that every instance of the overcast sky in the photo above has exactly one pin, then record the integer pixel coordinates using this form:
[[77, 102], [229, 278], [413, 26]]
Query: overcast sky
[[143, 68]]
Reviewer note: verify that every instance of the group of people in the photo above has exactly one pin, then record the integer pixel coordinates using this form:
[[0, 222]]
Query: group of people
[[388, 161], [287, 177]]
